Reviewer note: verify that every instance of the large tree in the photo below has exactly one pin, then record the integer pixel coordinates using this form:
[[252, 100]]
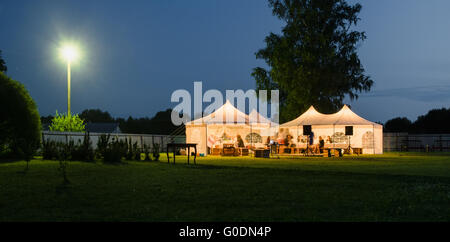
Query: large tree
[[314, 60], [20, 126]]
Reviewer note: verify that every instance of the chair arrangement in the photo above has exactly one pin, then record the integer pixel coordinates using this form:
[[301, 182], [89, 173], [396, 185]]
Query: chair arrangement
[[303, 149], [328, 150], [229, 150]]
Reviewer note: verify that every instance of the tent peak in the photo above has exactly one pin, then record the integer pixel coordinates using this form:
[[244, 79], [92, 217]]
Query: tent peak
[[312, 109]]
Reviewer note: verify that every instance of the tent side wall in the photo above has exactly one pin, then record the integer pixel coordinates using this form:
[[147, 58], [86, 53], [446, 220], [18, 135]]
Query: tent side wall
[[197, 134], [218, 134], [378, 140], [367, 137]]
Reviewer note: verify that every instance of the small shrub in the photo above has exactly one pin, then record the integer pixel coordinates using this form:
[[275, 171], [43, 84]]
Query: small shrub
[[130, 152], [114, 152], [122, 146], [133, 151], [155, 151], [49, 150], [84, 151], [136, 151], [102, 145], [146, 151], [64, 152]]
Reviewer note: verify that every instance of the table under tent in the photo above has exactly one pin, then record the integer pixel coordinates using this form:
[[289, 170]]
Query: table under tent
[[341, 130], [219, 132]]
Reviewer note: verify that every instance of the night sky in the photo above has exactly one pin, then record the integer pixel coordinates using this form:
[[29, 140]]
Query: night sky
[[136, 53]]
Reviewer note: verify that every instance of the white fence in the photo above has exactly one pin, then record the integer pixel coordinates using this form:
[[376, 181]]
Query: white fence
[[141, 139], [416, 142], [391, 141]]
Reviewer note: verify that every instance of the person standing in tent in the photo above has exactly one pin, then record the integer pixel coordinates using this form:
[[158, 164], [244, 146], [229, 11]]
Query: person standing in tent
[[321, 144], [311, 138], [311, 142], [240, 142]]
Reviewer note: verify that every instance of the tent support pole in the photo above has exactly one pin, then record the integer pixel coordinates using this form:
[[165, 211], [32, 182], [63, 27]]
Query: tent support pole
[[373, 138], [333, 139]]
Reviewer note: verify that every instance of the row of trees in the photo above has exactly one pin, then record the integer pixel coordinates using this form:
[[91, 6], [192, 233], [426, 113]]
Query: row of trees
[[436, 121], [159, 124]]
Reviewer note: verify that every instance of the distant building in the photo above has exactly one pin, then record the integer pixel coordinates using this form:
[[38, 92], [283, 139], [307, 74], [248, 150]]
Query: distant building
[[103, 128]]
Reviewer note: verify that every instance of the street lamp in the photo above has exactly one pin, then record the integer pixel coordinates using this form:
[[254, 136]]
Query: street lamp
[[69, 53]]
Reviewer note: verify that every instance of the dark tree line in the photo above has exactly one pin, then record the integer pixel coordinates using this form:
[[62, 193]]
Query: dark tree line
[[436, 121], [159, 124]]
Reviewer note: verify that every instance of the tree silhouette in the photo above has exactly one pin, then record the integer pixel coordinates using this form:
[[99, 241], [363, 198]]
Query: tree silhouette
[[3, 67], [398, 125], [314, 60], [96, 116], [434, 122]]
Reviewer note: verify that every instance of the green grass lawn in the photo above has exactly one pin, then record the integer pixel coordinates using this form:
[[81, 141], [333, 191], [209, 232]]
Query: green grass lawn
[[390, 187]]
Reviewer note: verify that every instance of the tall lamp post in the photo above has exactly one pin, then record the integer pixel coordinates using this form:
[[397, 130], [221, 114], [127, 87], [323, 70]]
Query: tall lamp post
[[69, 53]]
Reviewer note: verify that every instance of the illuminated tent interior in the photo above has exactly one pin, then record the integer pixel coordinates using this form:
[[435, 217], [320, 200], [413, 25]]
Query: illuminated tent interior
[[223, 127], [363, 134]]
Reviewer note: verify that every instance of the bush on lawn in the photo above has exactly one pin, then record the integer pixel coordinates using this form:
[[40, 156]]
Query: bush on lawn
[[102, 145], [133, 151], [155, 151], [146, 151], [114, 151], [111, 152], [83, 151], [49, 149], [64, 154]]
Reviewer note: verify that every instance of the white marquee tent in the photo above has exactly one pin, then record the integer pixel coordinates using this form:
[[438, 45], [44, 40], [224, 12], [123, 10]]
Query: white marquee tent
[[223, 126], [331, 127]]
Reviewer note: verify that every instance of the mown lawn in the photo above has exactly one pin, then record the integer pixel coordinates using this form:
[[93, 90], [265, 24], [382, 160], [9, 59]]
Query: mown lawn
[[390, 187]]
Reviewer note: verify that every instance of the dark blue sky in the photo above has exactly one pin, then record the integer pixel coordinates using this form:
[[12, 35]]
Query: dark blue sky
[[136, 53]]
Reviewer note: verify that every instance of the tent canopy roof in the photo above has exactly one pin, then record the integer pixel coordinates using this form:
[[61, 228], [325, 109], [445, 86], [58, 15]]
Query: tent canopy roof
[[345, 116], [228, 114]]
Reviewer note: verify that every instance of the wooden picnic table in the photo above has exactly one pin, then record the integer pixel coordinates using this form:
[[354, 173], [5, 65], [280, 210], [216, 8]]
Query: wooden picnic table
[[174, 147]]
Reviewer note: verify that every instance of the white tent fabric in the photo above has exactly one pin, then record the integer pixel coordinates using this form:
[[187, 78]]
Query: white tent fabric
[[311, 116], [225, 114], [344, 117], [366, 134], [225, 124]]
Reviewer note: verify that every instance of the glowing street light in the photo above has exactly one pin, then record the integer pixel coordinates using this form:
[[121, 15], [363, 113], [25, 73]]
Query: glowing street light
[[69, 53]]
